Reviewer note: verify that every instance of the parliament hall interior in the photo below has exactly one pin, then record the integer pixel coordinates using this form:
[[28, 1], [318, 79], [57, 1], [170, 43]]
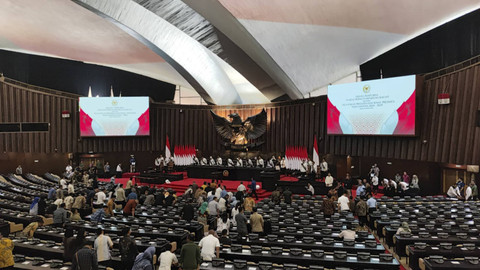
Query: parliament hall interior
[[239, 134]]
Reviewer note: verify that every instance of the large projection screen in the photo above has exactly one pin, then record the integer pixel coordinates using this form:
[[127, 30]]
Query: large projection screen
[[114, 116], [376, 107]]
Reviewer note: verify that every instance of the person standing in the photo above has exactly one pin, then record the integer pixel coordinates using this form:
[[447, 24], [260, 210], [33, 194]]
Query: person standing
[[6, 253], [85, 259], [128, 249], [241, 221], [343, 203], [371, 203], [188, 211], [19, 170], [213, 207], [287, 196], [102, 245], [129, 209], [60, 216], [256, 220], [106, 169], [329, 180], [167, 258], [120, 196], [119, 170], [406, 178], [323, 168], [253, 188], [474, 190], [190, 258], [328, 206], [361, 211], [210, 246]]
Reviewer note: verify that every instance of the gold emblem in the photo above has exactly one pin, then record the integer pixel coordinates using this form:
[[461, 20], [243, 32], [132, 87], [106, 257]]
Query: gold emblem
[[366, 88], [114, 102]]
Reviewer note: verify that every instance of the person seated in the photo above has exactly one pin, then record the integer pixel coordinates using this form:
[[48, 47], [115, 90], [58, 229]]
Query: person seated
[[224, 239], [403, 228], [75, 215], [348, 234]]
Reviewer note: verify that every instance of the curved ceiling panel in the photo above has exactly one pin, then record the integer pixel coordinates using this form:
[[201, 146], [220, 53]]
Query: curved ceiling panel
[[316, 42], [220, 83]]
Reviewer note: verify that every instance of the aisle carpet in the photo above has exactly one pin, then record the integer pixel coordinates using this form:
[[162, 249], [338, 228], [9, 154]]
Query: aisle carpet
[[182, 185]]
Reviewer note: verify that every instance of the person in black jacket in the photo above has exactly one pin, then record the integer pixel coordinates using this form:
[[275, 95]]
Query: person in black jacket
[[188, 211], [128, 249]]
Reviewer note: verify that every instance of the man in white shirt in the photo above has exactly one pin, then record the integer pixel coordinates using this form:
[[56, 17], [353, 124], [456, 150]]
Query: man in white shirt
[[218, 192], [343, 203], [68, 169], [403, 185], [239, 162], [230, 162], [167, 259], [468, 193], [212, 161], [241, 187], [63, 183], [329, 180], [70, 188], [324, 167], [222, 204], [219, 161], [204, 161], [348, 234], [311, 189], [101, 197], [260, 162], [303, 166], [210, 245], [119, 170], [102, 245], [453, 192], [196, 161]]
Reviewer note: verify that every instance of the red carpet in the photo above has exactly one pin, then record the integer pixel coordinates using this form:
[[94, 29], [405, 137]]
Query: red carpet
[[182, 185]]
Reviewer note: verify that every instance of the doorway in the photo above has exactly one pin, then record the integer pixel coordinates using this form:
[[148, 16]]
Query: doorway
[[450, 177]]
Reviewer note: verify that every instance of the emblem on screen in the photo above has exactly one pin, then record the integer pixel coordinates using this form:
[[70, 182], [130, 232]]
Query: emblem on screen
[[366, 88], [114, 103]]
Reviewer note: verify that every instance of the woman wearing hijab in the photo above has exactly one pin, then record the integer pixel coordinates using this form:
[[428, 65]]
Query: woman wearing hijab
[[403, 228], [203, 208], [34, 206], [144, 261]]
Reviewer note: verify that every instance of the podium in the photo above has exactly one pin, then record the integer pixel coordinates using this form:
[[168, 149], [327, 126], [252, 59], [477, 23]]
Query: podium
[[269, 180]]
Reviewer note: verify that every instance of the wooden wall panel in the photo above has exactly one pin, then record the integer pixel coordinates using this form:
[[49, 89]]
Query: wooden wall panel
[[449, 130]]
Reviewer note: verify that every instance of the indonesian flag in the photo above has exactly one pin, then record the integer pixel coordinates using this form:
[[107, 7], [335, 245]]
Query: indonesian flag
[[168, 154], [443, 98], [315, 157]]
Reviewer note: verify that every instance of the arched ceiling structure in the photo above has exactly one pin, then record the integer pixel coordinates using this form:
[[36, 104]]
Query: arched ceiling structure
[[230, 51]]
